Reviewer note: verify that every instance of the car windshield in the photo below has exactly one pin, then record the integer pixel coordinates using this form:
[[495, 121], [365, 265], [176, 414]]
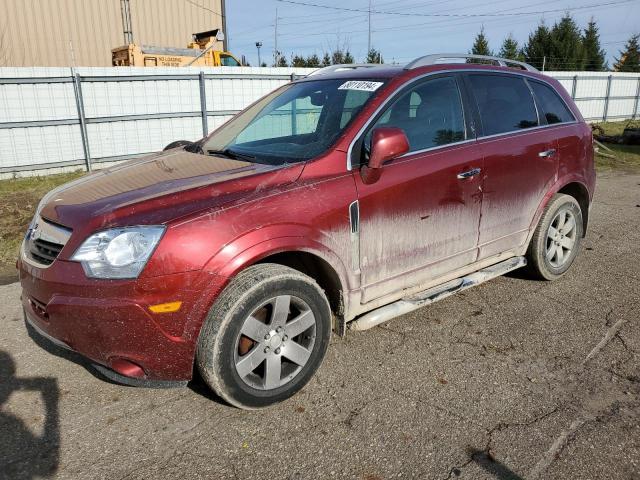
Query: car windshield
[[295, 123]]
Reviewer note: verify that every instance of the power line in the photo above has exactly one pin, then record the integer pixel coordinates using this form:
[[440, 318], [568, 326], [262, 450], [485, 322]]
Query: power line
[[461, 15], [203, 7]]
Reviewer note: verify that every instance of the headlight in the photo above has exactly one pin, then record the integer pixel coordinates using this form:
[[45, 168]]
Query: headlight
[[119, 252]]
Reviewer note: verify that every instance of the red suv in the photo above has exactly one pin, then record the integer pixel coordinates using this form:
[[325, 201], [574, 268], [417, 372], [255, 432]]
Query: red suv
[[345, 198]]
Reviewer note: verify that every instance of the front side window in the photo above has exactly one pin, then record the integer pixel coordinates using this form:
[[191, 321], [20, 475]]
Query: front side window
[[430, 114], [295, 123], [550, 105], [505, 103]]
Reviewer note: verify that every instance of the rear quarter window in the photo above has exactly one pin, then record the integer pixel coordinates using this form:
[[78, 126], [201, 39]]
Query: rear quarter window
[[550, 105], [505, 103]]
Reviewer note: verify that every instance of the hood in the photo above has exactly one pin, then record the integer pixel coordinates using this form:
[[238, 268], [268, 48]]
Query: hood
[[159, 188]]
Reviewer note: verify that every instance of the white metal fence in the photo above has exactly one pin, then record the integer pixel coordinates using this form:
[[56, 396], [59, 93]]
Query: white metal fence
[[55, 119]]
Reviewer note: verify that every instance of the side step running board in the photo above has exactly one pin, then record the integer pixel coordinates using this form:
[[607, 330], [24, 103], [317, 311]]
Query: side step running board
[[419, 300]]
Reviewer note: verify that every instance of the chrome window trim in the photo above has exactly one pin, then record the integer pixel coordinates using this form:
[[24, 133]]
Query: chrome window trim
[[438, 147], [392, 96], [525, 131]]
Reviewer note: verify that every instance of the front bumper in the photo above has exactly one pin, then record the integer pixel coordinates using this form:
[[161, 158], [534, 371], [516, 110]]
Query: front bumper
[[109, 321], [108, 373]]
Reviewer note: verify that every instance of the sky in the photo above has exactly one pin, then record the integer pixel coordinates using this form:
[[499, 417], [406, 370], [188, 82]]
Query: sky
[[406, 29]]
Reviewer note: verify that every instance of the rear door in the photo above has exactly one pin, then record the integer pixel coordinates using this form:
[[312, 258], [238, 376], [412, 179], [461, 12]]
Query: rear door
[[420, 219], [520, 159]]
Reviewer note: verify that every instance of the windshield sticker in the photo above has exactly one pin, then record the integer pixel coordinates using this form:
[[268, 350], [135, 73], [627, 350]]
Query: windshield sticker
[[360, 85]]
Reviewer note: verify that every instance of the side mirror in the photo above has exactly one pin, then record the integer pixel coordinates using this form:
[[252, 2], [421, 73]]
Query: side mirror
[[178, 143], [387, 143], [193, 147]]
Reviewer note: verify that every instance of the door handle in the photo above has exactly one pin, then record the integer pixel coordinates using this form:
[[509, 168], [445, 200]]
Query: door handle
[[469, 174], [547, 153]]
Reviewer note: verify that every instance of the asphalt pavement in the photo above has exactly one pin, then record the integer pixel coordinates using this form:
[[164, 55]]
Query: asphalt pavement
[[513, 379]]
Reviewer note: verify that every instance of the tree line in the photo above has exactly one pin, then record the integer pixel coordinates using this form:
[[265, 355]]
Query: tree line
[[338, 56], [564, 46]]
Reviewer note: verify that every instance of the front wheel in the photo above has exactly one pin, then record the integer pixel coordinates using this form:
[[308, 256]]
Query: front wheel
[[557, 238], [265, 336]]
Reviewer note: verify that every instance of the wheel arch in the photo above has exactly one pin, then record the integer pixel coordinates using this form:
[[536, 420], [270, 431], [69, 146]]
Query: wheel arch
[[300, 253], [572, 186], [579, 191], [315, 267]]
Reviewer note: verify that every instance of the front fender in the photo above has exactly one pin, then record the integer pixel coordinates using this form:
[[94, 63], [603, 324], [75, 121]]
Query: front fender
[[250, 249]]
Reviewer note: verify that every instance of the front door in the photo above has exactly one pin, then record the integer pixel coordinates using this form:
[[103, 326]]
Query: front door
[[420, 219]]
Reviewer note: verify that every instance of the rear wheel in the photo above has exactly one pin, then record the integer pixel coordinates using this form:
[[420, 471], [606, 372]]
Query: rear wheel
[[557, 238], [265, 336]]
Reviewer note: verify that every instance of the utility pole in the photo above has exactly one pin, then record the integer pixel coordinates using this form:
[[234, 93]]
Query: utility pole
[[125, 10], [225, 42], [275, 42], [369, 36]]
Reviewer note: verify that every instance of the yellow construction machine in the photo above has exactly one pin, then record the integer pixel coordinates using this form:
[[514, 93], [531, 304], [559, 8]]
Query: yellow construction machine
[[204, 50]]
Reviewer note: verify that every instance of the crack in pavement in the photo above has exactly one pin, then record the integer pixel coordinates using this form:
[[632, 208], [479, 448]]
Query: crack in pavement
[[487, 451], [609, 334]]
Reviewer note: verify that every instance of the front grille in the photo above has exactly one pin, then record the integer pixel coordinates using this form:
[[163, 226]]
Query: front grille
[[44, 241], [44, 252]]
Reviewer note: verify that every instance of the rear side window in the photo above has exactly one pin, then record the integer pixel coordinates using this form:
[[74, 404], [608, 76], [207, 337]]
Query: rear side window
[[550, 104], [505, 103]]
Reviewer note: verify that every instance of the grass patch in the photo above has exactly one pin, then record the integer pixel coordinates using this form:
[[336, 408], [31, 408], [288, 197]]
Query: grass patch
[[627, 156], [18, 201]]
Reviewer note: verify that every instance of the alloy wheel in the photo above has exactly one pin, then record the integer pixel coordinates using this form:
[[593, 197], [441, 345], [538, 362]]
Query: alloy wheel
[[561, 238], [275, 342]]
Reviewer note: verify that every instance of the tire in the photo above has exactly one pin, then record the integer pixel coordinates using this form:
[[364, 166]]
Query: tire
[[244, 352], [557, 238]]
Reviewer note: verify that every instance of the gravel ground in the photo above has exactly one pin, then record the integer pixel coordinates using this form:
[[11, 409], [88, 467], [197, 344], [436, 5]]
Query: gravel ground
[[513, 379]]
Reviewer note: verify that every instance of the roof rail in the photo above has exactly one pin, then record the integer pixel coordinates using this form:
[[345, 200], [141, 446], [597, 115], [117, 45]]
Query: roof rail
[[433, 59], [343, 66]]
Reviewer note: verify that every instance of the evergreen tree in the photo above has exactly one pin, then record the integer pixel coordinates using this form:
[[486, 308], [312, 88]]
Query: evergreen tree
[[629, 60], [326, 59], [340, 56], [566, 46], [348, 58], [374, 56], [282, 62], [313, 61], [510, 49], [481, 44], [298, 61], [594, 56], [538, 46]]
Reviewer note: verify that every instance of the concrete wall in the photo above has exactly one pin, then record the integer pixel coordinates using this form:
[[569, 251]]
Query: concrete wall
[[52, 32]]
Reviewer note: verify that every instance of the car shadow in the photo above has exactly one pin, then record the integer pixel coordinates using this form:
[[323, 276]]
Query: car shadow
[[25, 454], [492, 466], [197, 385]]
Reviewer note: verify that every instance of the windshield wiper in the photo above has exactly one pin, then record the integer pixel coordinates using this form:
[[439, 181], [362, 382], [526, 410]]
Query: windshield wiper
[[231, 154], [194, 147]]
